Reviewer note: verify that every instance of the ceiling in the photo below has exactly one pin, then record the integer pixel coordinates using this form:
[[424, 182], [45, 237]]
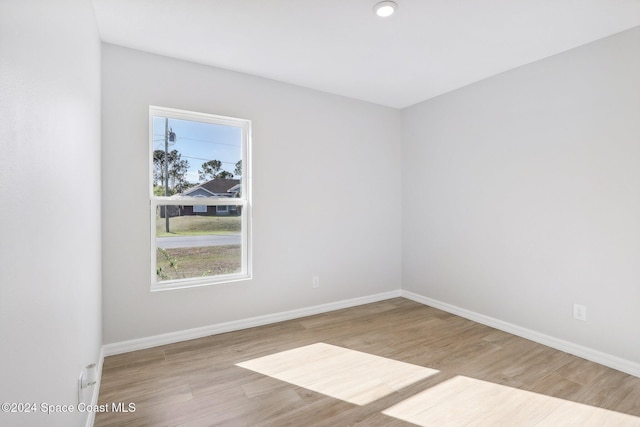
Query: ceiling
[[429, 47]]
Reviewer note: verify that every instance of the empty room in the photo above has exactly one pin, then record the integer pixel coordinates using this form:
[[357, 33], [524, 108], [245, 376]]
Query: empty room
[[288, 213]]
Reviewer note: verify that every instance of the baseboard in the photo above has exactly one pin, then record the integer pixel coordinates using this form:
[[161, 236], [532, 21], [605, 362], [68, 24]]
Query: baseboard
[[236, 325], [605, 359]]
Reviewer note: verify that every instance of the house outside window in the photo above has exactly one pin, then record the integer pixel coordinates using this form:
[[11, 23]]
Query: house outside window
[[200, 198]]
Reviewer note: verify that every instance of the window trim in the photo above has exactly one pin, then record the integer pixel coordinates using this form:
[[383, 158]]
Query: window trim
[[246, 272]]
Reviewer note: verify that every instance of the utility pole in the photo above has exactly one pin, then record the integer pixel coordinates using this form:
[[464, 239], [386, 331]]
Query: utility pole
[[169, 136]]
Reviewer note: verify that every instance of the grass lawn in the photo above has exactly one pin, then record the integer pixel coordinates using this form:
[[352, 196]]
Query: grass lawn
[[195, 225], [183, 263]]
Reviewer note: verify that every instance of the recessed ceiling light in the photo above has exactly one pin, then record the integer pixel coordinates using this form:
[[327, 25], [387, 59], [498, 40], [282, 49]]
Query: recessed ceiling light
[[385, 8]]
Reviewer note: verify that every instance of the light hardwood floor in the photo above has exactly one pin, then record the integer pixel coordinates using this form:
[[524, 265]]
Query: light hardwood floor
[[464, 373]]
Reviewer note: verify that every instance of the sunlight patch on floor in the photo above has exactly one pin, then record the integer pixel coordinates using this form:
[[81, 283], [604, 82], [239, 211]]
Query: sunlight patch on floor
[[471, 402], [344, 374]]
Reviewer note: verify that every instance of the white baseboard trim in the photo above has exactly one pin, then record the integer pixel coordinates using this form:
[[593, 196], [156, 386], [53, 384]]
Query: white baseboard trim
[[605, 359], [236, 325]]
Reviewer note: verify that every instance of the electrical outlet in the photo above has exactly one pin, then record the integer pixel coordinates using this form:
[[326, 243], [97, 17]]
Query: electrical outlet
[[315, 282], [579, 312]]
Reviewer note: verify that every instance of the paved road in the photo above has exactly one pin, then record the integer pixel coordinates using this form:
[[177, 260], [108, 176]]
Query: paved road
[[198, 241]]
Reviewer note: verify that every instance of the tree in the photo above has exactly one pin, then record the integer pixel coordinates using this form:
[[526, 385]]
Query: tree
[[224, 175], [209, 170], [238, 170], [212, 170], [177, 171]]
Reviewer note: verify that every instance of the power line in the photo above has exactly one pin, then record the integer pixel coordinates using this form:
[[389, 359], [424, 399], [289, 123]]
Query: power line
[[206, 160], [196, 139], [211, 142]]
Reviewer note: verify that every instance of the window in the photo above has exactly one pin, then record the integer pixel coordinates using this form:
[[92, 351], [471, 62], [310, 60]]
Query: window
[[200, 198]]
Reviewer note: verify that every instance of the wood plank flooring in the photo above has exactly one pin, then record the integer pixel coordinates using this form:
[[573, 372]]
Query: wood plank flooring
[[479, 376], [345, 374]]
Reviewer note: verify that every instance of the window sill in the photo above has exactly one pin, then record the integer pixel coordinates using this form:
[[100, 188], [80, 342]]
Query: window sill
[[173, 285]]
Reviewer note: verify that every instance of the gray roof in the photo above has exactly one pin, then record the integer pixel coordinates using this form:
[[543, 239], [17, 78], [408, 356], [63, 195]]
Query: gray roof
[[215, 186]]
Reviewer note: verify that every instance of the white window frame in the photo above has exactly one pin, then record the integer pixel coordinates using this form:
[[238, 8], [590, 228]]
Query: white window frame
[[244, 200]]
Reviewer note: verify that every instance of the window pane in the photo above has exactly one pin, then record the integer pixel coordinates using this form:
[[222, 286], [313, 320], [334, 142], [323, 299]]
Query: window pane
[[193, 158], [196, 246]]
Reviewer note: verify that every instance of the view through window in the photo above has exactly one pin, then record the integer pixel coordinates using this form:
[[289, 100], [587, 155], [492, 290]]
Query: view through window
[[200, 198]]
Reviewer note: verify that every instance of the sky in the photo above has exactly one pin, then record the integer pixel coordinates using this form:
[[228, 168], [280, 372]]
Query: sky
[[200, 142]]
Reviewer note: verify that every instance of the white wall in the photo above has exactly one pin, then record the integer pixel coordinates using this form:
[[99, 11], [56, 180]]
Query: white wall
[[522, 196], [50, 308], [326, 195]]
